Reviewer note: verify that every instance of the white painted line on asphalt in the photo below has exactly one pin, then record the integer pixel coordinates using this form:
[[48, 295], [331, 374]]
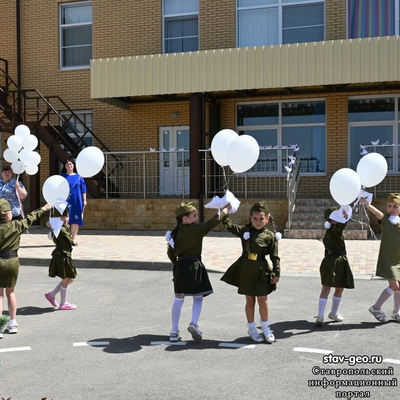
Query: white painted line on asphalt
[[82, 344], [309, 350], [237, 345], [15, 349], [390, 360], [168, 343]]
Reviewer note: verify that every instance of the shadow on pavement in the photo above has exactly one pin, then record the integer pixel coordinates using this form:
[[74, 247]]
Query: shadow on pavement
[[136, 343], [284, 330], [34, 310]]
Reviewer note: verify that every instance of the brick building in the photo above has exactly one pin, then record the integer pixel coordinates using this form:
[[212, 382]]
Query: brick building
[[171, 73]]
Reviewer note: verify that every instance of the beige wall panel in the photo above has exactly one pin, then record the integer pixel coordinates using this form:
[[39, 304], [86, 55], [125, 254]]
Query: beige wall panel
[[305, 64]]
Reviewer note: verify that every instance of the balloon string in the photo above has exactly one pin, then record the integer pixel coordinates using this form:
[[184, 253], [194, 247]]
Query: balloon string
[[368, 225], [225, 186], [19, 199]]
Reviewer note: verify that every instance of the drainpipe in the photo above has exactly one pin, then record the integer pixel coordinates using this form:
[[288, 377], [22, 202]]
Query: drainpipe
[[19, 79]]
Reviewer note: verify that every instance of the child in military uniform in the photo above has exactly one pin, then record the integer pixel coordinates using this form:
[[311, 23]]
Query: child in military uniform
[[251, 273], [388, 265], [62, 265], [335, 269], [10, 234], [190, 275]]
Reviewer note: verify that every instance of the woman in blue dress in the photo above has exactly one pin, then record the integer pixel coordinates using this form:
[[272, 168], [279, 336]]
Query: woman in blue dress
[[77, 197]]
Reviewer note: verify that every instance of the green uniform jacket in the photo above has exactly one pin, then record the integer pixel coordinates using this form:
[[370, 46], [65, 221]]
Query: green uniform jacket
[[389, 252], [253, 277], [189, 238], [61, 264], [335, 269], [10, 235], [10, 232]]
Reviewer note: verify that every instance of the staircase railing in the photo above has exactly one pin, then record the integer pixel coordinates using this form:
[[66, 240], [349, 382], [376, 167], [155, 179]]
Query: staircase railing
[[38, 110], [293, 187]]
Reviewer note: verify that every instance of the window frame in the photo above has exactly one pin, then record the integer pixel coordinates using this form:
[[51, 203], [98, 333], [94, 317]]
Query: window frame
[[395, 123], [179, 17], [279, 127], [280, 5], [62, 27], [396, 20], [79, 113]]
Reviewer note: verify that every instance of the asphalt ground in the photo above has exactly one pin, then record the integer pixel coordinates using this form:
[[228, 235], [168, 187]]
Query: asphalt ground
[[126, 312]]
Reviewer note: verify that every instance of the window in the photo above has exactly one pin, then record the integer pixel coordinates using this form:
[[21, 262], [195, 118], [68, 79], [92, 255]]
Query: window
[[269, 22], [370, 119], [369, 18], [181, 25], [286, 124], [79, 125], [76, 35]]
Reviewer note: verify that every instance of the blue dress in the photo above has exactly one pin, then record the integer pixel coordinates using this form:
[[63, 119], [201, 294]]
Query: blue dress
[[77, 186]]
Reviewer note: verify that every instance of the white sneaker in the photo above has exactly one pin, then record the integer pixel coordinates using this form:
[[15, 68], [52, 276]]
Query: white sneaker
[[269, 336], [396, 316], [195, 331], [1, 335], [174, 336], [255, 336], [12, 328], [319, 321], [337, 317], [378, 314]]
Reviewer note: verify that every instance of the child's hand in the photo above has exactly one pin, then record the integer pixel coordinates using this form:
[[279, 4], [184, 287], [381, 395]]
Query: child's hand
[[275, 280], [46, 207]]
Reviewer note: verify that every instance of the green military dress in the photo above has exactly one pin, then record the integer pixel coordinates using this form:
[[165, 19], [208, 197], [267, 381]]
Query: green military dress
[[10, 235], [253, 277], [61, 263], [389, 252], [190, 274], [335, 269]]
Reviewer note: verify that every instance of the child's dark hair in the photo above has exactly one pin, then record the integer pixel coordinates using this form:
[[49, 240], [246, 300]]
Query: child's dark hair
[[272, 223], [3, 218], [179, 221]]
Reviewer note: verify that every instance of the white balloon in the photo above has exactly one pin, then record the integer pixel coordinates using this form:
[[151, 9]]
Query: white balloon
[[31, 169], [14, 143], [89, 162], [31, 158], [243, 153], [10, 155], [30, 143], [22, 131], [345, 185], [220, 145], [372, 169], [18, 167], [54, 188]]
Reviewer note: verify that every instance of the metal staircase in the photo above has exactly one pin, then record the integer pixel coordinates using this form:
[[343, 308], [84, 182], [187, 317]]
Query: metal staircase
[[41, 114]]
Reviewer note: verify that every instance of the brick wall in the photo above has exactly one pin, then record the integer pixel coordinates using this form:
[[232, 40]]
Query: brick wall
[[217, 24], [159, 214], [335, 12]]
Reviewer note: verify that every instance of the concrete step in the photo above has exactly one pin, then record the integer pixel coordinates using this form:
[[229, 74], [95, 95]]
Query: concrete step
[[319, 224], [320, 233], [315, 202]]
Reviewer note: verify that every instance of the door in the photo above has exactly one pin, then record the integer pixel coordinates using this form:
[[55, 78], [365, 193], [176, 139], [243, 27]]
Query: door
[[175, 161]]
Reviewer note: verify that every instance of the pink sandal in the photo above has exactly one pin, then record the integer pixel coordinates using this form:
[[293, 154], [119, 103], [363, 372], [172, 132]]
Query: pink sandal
[[51, 299], [67, 306]]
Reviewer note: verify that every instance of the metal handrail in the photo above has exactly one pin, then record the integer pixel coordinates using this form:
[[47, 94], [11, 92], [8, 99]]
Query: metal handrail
[[293, 187]]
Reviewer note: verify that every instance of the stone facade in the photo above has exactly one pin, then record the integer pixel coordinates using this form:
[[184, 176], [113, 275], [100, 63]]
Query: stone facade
[[159, 214]]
